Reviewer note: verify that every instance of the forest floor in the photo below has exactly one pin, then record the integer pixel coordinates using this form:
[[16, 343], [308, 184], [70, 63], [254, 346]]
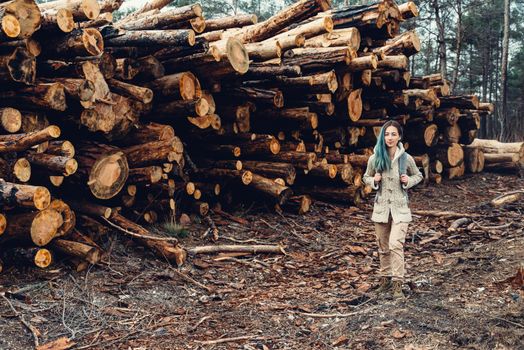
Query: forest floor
[[464, 288]]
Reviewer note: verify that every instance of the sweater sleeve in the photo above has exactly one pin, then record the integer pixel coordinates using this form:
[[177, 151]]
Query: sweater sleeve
[[370, 173], [414, 175]]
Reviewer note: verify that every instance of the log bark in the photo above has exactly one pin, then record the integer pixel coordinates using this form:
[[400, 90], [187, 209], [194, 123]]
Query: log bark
[[44, 96], [80, 9], [26, 13], [21, 142], [178, 37], [38, 227], [78, 43], [57, 20], [53, 164], [135, 92], [183, 86], [239, 20], [155, 152], [77, 249], [27, 256]]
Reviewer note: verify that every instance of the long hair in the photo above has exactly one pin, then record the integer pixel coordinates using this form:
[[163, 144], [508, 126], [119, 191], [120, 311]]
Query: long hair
[[382, 160]]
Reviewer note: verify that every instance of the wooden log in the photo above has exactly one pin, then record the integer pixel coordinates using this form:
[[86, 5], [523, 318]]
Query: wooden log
[[182, 85], [408, 10], [39, 227], [198, 107], [239, 20], [285, 17], [45, 96], [474, 159], [408, 44], [155, 152], [298, 204], [31, 45], [10, 120], [145, 175], [21, 142], [26, 13], [135, 92], [62, 148], [450, 156], [80, 9], [103, 19], [272, 170], [164, 19], [144, 133], [314, 59], [9, 26], [270, 188], [299, 160], [394, 62], [339, 37], [27, 256], [182, 37], [464, 102], [494, 146], [80, 42], [243, 176], [52, 163], [15, 171], [19, 66], [77, 249], [104, 167], [455, 172], [56, 20], [26, 196]]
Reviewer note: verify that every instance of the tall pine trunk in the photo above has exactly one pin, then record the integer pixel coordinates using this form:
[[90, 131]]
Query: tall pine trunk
[[504, 74], [458, 46]]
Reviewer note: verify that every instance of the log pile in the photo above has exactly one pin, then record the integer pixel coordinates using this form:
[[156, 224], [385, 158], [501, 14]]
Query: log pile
[[165, 114]]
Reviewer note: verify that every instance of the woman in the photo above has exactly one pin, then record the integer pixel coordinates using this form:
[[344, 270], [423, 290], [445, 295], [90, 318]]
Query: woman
[[391, 171]]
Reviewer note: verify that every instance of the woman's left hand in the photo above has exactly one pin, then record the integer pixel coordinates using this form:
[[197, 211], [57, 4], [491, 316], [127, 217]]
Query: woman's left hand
[[404, 179]]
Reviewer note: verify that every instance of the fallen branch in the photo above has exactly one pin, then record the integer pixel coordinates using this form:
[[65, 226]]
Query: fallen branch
[[444, 214], [136, 235], [498, 227], [254, 249], [507, 198], [227, 340], [457, 223]]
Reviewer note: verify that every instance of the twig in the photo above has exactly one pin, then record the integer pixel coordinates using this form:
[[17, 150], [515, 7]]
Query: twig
[[254, 249], [24, 322], [510, 322], [227, 340], [444, 214], [251, 240], [136, 235], [189, 279], [492, 227]]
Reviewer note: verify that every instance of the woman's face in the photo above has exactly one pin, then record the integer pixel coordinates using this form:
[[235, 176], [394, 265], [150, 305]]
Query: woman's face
[[391, 136]]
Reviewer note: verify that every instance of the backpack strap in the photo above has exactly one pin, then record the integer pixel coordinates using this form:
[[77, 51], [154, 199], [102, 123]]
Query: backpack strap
[[402, 164]]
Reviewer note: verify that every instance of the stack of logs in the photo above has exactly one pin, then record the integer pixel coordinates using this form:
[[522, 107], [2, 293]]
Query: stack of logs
[[282, 110]]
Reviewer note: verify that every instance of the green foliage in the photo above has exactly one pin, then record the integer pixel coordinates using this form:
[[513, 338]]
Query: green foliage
[[172, 229]]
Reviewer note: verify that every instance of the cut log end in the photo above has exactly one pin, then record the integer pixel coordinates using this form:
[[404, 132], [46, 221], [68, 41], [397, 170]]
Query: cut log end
[[65, 21], [22, 170], [237, 55], [3, 223], [22, 66], [274, 146], [43, 258], [11, 119], [91, 8], [247, 177], [41, 198], [93, 41], [108, 175], [10, 26], [44, 226]]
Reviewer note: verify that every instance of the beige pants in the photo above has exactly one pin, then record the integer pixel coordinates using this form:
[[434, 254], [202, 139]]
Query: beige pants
[[390, 240]]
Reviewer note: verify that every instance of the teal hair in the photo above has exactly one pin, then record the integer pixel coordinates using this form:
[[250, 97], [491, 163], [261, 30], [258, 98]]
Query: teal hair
[[382, 161]]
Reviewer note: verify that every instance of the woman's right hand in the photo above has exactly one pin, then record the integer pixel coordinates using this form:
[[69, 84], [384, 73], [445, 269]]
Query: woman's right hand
[[377, 178]]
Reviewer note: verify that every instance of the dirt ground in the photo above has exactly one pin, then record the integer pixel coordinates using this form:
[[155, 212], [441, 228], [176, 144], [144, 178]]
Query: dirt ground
[[463, 288]]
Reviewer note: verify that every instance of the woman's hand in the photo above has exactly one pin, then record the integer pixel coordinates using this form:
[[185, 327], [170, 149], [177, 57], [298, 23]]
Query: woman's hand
[[377, 178], [404, 179]]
